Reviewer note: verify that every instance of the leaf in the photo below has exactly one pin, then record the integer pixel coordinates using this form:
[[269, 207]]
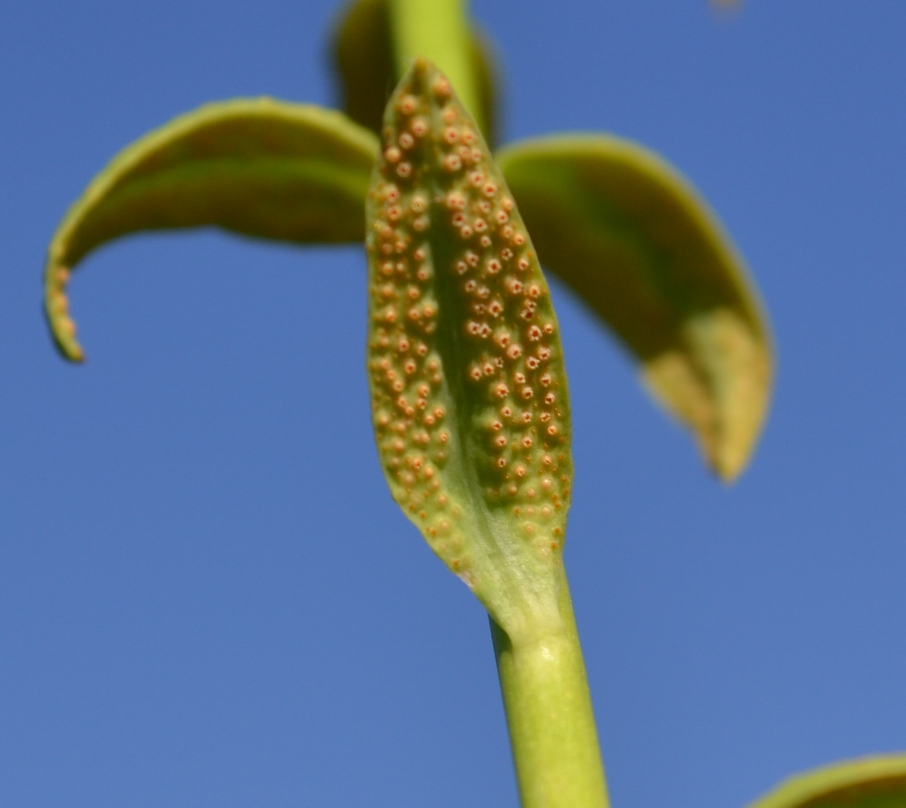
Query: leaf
[[257, 167], [363, 58], [640, 247], [469, 396], [873, 782]]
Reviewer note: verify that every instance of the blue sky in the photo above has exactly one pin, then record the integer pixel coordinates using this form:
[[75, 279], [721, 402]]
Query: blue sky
[[207, 596]]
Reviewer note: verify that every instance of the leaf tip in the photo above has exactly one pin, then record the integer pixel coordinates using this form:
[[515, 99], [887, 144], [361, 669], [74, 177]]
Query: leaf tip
[[716, 380], [56, 309]]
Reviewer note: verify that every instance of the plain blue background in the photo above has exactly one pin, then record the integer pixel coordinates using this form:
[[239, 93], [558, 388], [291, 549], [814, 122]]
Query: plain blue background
[[207, 596]]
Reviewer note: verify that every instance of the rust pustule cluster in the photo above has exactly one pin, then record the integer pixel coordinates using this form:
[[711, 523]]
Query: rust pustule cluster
[[464, 353]]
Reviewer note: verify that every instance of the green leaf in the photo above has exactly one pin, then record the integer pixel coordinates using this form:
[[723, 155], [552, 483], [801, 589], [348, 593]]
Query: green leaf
[[640, 247], [257, 167], [873, 782], [363, 58], [469, 396]]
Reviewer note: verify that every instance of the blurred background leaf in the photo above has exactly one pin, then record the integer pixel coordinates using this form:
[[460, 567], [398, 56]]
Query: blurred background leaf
[[645, 253], [262, 168], [874, 782]]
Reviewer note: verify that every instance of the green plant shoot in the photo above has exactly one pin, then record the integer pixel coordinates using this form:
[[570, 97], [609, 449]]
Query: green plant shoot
[[471, 415], [469, 395]]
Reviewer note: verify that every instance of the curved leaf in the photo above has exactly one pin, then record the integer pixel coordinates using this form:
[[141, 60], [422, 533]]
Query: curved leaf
[[874, 782], [469, 395], [363, 59], [640, 247], [257, 167]]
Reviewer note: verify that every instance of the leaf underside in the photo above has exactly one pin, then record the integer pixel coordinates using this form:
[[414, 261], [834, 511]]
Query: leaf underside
[[260, 167], [363, 59], [639, 246], [874, 782], [469, 396]]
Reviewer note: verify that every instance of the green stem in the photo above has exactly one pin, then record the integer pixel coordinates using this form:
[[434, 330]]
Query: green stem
[[550, 717], [542, 675], [439, 31]]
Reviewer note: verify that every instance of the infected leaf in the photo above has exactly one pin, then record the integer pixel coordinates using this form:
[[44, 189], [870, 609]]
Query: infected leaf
[[257, 167], [363, 58], [874, 782], [640, 247], [469, 396]]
